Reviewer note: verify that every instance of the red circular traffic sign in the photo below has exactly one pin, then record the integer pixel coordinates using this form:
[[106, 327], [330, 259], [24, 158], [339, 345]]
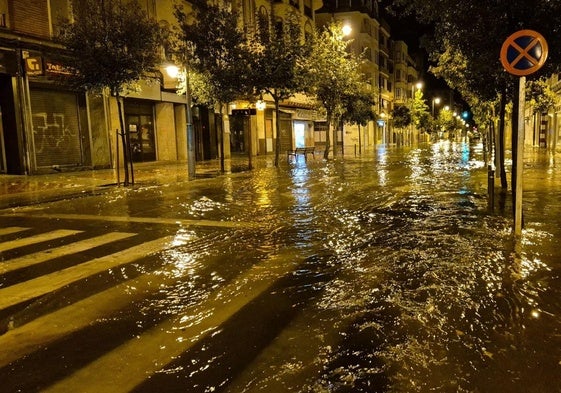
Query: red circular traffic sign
[[524, 52]]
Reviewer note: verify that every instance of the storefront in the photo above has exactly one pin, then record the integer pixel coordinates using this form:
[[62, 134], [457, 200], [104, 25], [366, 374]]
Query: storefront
[[55, 117]]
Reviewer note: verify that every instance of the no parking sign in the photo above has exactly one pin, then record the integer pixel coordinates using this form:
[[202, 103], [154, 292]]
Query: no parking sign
[[524, 52]]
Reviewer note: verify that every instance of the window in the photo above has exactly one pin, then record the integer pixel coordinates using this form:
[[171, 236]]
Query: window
[[4, 13], [60, 10]]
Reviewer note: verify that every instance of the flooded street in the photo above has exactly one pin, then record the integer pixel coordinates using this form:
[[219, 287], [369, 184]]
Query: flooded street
[[381, 273]]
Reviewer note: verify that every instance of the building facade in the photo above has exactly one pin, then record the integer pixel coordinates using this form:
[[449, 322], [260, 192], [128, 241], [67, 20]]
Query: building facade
[[46, 126]]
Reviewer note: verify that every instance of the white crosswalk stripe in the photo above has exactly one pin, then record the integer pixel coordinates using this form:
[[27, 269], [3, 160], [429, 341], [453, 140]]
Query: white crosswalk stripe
[[76, 247], [10, 230], [26, 241]]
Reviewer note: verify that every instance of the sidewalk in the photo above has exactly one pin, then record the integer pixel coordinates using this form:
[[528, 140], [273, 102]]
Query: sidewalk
[[21, 190]]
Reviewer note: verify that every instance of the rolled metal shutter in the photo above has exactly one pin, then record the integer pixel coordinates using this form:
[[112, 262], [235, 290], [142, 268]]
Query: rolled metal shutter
[[56, 128]]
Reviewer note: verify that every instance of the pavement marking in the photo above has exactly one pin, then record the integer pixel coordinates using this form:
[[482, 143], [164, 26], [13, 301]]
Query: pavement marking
[[151, 220], [42, 285], [29, 337], [10, 230], [26, 241], [127, 366], [52, 253]]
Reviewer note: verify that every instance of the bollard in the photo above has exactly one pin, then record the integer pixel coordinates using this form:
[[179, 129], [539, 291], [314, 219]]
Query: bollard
[[491, 187]]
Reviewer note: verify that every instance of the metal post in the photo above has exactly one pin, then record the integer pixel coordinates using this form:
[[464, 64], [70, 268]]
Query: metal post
[[491, 187], [117, 159], [519, 158]]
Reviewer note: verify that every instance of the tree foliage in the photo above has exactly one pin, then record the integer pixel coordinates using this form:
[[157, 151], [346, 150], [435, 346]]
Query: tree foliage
[[540, 96], [401, 116], [419, 110], [335, 74], [468, 36], [217, 56], [112, 45], [359, 107]]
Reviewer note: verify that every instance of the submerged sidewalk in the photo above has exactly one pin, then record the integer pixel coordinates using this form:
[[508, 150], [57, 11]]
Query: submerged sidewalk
[[22, 190]]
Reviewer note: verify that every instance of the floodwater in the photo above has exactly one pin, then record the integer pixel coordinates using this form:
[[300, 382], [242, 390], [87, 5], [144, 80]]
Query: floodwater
[[386, 272]]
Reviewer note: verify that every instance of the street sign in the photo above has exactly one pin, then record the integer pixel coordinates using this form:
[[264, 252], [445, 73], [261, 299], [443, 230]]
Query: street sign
[[524, 52]]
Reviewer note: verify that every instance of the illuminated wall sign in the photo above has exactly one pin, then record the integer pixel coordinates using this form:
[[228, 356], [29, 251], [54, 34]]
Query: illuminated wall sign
[[34, 65], [53, 67], [244, 112]]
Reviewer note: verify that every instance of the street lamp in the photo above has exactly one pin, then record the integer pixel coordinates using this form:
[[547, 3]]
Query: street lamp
[[173, 72], [347, 30], [435, 101]]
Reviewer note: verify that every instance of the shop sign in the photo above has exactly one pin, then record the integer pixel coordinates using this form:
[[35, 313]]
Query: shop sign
[[34, 65], [244, 112], [56, 68]]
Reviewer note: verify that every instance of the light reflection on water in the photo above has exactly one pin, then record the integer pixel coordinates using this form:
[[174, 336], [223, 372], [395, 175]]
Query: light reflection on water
[[429, 293], [408, 283]]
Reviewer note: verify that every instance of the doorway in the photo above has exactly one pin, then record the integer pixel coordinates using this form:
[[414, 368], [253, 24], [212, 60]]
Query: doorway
[[300, 134]]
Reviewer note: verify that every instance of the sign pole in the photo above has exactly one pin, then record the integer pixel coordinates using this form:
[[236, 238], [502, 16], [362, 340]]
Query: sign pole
[[519, 158]]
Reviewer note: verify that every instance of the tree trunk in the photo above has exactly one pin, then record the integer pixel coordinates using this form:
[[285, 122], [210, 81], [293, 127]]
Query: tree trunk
[[221, 139], [359, 141], [127, 148], [249, 147], [278, 141], [327, 138], [501, 144]]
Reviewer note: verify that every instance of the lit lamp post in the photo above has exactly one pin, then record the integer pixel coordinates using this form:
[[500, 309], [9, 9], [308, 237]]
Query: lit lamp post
[[435, 101], [173, 72]]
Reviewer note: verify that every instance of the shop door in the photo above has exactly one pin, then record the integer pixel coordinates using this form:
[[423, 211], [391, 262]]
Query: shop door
[[239, 127], [141, 129], [286, 134]]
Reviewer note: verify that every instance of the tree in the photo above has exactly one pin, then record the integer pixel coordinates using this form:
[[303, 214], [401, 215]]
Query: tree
[[359, 110], [278, 51], [401, 117], [112, 46], [335, 74], [420, 115], [447, 122], [219, 56], [540, 96]]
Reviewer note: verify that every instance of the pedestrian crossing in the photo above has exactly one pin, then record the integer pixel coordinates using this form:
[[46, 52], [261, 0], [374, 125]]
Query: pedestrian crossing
[[26, 333]]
